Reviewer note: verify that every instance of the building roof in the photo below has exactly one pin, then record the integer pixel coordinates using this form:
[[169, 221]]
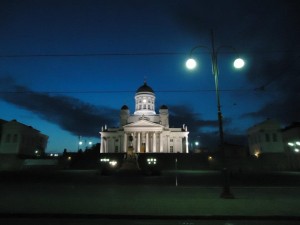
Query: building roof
[[144, 88]]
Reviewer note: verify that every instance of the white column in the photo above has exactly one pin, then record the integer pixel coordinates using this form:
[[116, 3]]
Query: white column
[[101, 147], [134, 141], [147, 142], [154, 142], [139, 143], [106, 145], [186, 144], [160, 143], [125, 143]]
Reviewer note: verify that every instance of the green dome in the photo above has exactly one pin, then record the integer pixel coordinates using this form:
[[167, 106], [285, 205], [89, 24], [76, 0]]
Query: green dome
[[144, 88]]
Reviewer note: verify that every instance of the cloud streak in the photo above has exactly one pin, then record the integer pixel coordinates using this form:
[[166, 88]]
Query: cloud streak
[[71, 114]]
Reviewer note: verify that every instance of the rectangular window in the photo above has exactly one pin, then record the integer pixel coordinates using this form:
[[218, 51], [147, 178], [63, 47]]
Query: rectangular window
[[267, 137], [7, 140], [116, 149], [15, 138], [171, 149], [275, 137], [171, 140]]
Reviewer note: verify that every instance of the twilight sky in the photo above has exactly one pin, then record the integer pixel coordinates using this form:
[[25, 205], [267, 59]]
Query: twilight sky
[[67, 67]]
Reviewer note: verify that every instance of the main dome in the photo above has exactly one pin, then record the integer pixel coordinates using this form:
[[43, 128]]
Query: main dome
[[144, 88]]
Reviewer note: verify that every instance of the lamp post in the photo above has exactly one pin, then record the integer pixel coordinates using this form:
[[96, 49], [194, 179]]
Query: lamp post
[[238, 63]]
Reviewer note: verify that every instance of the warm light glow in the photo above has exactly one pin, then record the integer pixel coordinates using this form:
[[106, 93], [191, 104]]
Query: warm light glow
[[210, 158], [239, 63], [113, 163], [69, 158], [144, 100], [256, 154], [191, 64]]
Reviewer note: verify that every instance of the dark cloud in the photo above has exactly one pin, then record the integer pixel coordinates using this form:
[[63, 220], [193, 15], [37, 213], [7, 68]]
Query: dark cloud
[[71, 114], [205, 131], [182, 114], [266, 33]]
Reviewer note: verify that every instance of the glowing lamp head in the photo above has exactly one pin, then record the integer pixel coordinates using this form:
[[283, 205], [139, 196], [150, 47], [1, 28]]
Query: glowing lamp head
[[239, 63], [191, 64]]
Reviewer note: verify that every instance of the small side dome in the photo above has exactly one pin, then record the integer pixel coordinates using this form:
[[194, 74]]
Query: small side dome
[[124, 107], [163, 107], [144, 88]]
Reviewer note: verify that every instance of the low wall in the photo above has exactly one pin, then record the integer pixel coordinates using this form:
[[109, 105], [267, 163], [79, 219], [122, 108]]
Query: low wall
[[10, 162]]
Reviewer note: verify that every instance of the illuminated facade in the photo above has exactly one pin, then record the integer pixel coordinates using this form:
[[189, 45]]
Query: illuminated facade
[[144, 131]]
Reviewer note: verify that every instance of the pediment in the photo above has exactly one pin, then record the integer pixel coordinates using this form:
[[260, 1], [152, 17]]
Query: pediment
[[143, 126], [143, 123]]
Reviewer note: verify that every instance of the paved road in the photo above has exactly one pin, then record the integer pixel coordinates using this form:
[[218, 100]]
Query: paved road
[[68, 193], [167, 178]]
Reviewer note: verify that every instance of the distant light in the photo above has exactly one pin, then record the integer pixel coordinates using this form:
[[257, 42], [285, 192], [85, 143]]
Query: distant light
[[191, 64], [90, 143], [296, 150], [297, 142], [291, 144], [210, 158], [151, 161], [196, 143], [51, 154], [239, 63], [113, 163], [256, 154], [80, 142], [69, 158], [56, 155], [36, 152], [104, 160]]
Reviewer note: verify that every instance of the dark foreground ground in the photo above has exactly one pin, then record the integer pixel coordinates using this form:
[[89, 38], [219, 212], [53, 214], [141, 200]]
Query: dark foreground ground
[[86, 197]]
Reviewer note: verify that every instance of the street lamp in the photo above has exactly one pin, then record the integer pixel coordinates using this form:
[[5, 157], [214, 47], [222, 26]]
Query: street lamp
[[238, 64], [295, 146]]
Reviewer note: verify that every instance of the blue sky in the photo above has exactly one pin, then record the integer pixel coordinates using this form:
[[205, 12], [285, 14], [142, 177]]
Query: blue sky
[[67, 67]]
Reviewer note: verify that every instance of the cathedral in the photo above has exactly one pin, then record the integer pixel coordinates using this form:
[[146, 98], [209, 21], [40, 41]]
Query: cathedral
[[144, 131]]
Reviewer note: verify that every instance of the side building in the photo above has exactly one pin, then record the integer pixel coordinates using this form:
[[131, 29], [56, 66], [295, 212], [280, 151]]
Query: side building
[[144, 131], [265, 137], [20, 139]]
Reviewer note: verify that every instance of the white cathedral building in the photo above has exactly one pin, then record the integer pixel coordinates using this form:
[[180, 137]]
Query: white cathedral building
[[144, 131]]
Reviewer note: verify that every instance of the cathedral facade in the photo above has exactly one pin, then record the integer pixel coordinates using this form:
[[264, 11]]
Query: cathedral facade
[[144, 131]]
